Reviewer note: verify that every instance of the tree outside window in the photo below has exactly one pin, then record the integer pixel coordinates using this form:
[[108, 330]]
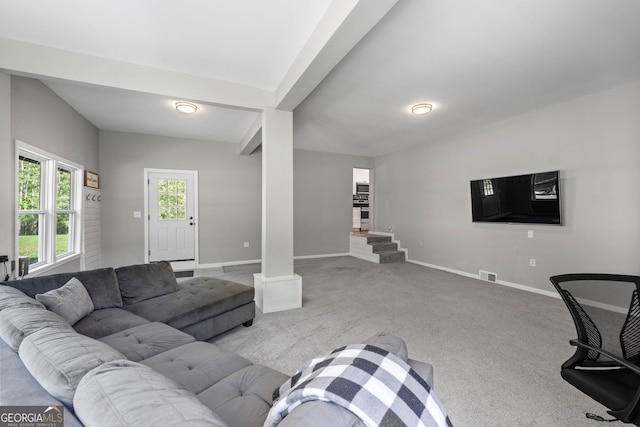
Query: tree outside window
[[47, 206], [30, 240], [64, 213]]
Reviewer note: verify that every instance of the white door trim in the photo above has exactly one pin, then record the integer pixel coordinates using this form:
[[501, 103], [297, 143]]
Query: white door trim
[[147, 171]]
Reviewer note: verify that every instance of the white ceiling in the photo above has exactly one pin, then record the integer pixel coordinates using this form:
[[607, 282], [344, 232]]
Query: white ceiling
[[476, 62], [251, 42]]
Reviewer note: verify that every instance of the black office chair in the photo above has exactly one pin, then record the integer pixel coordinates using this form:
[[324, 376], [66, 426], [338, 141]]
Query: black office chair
[[606, 363]]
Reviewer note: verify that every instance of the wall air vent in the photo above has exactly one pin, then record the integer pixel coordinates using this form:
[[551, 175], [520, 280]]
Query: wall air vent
[[488, 276]]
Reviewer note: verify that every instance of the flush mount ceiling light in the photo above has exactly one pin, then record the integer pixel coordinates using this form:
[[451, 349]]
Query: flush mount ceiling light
[[421, 108], [186, 107]]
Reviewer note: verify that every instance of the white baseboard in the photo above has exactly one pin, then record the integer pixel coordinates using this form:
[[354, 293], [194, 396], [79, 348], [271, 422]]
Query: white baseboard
[[224, 264], [320, 256], [499, 282], [551, 294], [603, 306], [257, 261]]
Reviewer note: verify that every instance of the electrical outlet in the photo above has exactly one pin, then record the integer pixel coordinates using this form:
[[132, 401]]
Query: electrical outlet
[[532, 262], [246, 244]]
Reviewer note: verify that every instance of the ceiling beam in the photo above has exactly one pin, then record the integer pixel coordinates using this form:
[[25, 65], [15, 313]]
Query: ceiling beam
[[341, 28], [38, 61], [253, 138], [344, 24]]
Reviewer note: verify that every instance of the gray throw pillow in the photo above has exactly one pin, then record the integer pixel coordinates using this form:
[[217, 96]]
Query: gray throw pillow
[[71, 301]]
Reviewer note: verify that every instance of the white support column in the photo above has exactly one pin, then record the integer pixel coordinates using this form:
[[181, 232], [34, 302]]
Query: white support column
[[277, 287]]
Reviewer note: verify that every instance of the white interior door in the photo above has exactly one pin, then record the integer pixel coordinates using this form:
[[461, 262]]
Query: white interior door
[[171, 208]]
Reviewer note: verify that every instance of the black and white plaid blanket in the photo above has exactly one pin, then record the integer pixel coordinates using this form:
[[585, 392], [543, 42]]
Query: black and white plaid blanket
[[375, 385]]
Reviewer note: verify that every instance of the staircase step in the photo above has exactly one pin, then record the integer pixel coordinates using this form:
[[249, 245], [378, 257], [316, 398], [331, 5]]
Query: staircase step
[[383, 247], [376, 248], [391, 256], [377, 238]]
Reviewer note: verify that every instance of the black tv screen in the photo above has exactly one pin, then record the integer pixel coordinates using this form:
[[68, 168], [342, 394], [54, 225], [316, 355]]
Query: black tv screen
[[531, 199]]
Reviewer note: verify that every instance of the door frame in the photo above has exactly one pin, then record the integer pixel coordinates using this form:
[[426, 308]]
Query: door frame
[[181, 265], [372, 199]]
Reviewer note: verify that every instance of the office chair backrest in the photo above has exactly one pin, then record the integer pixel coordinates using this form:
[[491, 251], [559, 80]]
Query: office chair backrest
[[606, 312], [587, 330], [630, 334]]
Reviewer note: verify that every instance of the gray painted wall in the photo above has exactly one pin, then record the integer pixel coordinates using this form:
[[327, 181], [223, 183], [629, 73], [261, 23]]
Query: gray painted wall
[[40, 118], [7, 172], [423, 193], [322, 201], [230, 184], [229, 193]]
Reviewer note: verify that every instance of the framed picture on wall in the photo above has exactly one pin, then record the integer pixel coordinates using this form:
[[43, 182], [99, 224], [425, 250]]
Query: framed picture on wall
[[91, 179]]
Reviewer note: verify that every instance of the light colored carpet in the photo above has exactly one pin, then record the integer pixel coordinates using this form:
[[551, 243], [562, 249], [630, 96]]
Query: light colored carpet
[[496, 351], [210, 272]]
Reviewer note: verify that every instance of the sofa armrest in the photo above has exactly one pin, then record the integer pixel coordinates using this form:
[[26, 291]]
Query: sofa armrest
[[320, 414], [425, 370]]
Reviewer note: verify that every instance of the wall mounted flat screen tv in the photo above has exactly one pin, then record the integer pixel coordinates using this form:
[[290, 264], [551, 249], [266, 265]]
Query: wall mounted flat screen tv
[[531, 199]]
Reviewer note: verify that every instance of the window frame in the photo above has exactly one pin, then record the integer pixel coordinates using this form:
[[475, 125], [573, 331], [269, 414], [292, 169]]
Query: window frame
[[48, 209]]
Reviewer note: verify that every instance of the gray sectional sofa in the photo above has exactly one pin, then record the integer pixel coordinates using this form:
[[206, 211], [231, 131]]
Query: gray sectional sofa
[[124, 348], [200, 306]]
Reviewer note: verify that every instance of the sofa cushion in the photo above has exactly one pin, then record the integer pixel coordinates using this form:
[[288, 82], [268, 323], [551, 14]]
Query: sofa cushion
[[19, 388], [144, 341], [244, 398], [126, 393], [101, 284], [194, 301], [107, 321], [59, 358], [11, 297], [71, 301], [198, 365], [21, 321], [141, 282]]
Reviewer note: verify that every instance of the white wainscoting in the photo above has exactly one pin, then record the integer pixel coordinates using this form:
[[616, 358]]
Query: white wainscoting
[[91, 229]]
